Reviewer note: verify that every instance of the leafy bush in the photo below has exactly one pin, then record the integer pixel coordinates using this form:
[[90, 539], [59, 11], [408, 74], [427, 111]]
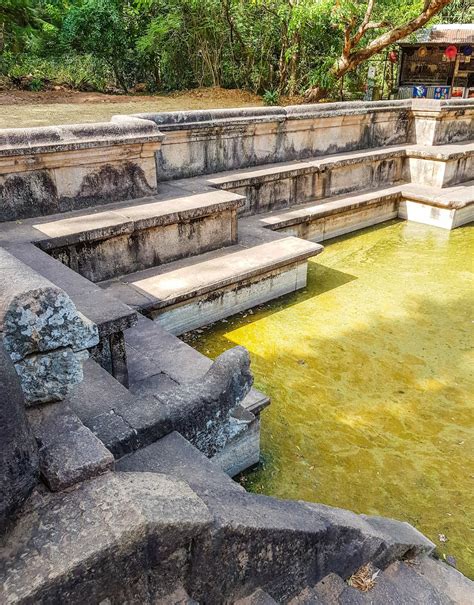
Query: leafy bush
[[271, 97]]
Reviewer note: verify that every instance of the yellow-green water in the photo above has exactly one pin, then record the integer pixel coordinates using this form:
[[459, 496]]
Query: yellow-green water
[[371, 378]]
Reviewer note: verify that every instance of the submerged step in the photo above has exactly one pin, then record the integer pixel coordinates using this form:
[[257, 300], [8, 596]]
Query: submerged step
[[182, 296], [335, 216]]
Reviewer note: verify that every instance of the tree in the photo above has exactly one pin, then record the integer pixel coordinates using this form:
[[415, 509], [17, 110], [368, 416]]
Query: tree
[[17, 17], [105, 29], [358, 42]]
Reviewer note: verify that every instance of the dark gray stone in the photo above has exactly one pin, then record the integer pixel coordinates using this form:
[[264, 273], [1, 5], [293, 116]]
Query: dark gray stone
[[69, 452], [19, 466], [120, 538], [175, 456], [95, 401], [199, 410], [260, 542], [445, 579], [413, 589]]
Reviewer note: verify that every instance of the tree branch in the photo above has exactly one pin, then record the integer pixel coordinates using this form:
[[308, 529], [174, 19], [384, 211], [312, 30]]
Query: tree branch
[[365, 21], [345, 63]]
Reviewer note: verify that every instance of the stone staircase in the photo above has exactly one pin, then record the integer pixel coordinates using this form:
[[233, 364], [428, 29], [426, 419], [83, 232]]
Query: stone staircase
[[406, 574], [419, 580]]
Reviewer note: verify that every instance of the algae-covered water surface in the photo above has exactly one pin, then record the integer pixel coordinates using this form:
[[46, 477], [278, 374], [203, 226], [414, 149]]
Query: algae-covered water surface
[[371, 378]]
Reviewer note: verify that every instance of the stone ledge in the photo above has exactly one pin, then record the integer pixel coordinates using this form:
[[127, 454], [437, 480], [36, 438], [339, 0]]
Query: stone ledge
[[50, 139], [141, 214], [455, 197], [177, 282], [268, 172], [109, 314], [329, 207]]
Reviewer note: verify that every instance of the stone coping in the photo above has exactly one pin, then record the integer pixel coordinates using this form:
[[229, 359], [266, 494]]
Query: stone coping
[[293, 168], [443, 105], [72, 137], [182, 120], [322, 208], [177, 200], [455, 198]]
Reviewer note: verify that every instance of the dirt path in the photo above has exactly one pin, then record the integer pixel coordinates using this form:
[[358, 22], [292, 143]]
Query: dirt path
[[23, 108]]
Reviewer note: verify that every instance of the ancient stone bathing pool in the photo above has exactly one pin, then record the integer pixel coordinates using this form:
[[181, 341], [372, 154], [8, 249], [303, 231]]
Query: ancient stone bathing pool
[[371, 381]]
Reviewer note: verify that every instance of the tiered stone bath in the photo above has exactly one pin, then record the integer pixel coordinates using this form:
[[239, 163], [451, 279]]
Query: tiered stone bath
[[152, 225]]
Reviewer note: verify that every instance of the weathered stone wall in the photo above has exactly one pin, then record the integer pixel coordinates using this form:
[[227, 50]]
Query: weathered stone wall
[[59, 168], [204, 142], [438, 122], [56, 169]]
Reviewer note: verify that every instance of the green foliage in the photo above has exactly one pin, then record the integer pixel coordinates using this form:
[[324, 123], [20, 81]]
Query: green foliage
[[271, 97], [281, 46]]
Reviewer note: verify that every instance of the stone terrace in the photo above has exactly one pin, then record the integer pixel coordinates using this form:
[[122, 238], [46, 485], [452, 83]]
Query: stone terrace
[[152, 225]]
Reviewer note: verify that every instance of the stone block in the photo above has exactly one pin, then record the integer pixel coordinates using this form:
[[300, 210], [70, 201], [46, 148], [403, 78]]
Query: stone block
[[69, 452], [37, 316], [50, 376], [118, 538]]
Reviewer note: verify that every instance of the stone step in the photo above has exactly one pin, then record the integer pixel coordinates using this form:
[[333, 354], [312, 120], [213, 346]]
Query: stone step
[[440, 165], [445, 579], [207, 409], [185, 295], [152, 352], [132, 236], [456, 197], [337, 215], [286, 184], [447, 208], [401, 578], [175, 456], [402, 583], [324, 219], [157, 359]]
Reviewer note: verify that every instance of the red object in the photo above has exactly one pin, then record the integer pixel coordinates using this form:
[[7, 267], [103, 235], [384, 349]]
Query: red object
[[393, 56], [451, 52]]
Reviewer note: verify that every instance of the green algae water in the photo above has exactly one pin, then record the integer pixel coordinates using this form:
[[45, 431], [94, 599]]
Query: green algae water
[[371, 378]]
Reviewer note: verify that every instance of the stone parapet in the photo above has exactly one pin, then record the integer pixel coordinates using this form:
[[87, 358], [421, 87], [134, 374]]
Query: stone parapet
[[442, 122], [56, 169], [204, 142]]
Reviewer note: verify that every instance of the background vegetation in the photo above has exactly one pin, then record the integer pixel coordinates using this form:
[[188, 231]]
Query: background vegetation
[[271, 47]]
